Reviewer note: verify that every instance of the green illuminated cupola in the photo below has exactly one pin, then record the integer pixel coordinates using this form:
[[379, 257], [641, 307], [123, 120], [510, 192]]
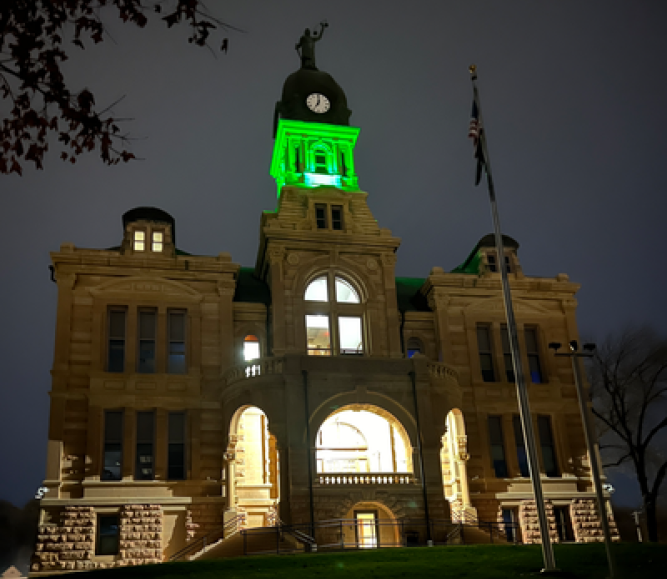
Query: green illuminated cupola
[[314, 144]]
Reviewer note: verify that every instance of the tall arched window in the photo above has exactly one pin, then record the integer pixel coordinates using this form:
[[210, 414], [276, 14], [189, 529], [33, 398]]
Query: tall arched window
[[334, 315]]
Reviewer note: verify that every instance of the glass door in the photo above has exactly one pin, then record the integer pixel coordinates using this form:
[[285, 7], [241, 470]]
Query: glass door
[[366, 529]]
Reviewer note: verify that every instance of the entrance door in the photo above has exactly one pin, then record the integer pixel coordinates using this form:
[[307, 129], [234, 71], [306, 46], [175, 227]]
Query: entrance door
[[510, 519], [366, 529]]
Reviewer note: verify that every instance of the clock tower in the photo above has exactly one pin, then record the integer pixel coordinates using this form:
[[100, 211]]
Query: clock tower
[[314, 143]]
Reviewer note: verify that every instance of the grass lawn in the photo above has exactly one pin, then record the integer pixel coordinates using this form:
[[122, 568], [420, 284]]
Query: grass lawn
[[642, 561]]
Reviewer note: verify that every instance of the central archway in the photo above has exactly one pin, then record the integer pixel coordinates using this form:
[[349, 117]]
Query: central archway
[[362, 439]]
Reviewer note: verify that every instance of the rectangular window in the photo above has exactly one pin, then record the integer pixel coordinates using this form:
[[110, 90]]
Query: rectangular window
[[176, 446], [108, 533], [113, 445], [176, 363], [139, 240], [508, 264], [497, 446], [116, 341], [507, 354], [491, 260], [349, 329], [533, 356], [547, 445], [158, 241], [485, 353], [318, 335], [521, 455], [321, 216], [145, 446], [321, 163], [146, 361], [337, 217]]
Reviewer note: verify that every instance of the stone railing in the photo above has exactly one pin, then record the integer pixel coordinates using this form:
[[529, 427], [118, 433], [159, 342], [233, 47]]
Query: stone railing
[[254, 368], [369, 478], [441, 371]]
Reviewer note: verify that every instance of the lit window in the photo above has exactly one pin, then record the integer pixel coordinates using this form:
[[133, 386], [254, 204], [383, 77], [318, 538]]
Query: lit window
[[116, 341], [533, 356], [158, 240], [497, 446], [334, 317], [250, 348], [113, 445], [485, 353], [143, 469], [139, 240], [146, 361], [108, 533], [176, 446], [176, 347]]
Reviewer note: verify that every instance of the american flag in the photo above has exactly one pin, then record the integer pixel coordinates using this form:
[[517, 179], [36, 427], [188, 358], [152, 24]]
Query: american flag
[[475, 127], [475, 133]]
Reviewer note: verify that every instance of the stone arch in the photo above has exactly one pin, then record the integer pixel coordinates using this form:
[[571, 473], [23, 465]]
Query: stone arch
[[390, 451], [358, 398]]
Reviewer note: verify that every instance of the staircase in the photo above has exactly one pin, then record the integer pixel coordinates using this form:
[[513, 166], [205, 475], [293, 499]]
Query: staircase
[[257, 541]]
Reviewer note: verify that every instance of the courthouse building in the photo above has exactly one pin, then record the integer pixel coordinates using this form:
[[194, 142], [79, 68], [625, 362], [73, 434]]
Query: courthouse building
[[189, 391]]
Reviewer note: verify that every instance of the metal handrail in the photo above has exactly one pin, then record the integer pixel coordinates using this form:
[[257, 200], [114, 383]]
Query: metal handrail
[[234, 524]]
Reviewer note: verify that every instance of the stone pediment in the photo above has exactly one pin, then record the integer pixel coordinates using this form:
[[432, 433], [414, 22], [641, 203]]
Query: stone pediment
[[496, 305], [142, 285]]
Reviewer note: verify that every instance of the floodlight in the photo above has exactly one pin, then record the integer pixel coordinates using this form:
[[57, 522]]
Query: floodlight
[[555, 346], [588, 347], [574, 345]]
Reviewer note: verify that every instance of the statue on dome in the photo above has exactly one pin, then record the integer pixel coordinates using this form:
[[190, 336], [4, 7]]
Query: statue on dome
[[306, 46]]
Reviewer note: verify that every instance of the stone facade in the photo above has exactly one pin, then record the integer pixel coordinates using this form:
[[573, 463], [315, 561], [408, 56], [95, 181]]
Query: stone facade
[[160, 416]]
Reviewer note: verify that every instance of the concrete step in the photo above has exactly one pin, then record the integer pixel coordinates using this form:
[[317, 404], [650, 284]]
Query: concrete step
[[256, 541], [477, 536]]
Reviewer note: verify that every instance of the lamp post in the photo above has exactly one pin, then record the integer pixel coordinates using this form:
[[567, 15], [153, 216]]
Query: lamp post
[[574, 354]]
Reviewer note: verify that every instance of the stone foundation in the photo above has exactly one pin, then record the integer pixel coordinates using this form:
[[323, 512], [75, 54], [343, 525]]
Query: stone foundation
[[202, 519], [70, 546], [529, 522], [586, 522]]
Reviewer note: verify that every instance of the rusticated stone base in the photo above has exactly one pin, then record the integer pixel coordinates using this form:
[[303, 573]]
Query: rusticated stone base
[[586, 522], [529, 522], [70, 546]]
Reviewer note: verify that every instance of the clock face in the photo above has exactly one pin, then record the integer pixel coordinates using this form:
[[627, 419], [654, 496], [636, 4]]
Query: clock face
[[318, 103]]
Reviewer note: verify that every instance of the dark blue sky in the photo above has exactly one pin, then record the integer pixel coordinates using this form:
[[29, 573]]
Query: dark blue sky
[[574, 100]]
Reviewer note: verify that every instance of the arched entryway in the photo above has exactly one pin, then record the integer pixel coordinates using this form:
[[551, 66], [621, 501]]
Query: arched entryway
[[254, 468], [362, 439], [369, 525], [454, 457]]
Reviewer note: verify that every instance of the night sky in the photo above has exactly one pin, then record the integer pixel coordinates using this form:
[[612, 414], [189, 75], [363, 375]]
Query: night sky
[[574, 99]]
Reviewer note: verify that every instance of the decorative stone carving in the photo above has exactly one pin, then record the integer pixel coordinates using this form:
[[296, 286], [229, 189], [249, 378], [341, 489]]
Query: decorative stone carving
[[293, 259], [371, 264]]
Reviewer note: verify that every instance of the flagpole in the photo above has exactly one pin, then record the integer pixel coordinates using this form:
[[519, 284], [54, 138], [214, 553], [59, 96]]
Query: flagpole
[[522, 392]]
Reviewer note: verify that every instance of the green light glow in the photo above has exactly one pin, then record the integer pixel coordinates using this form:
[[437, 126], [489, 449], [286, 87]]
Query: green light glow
[[312, 155]]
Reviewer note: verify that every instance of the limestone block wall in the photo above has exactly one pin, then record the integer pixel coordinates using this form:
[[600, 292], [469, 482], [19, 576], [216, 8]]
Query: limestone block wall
[[70, 546], [586, 522], [530, 527], [140, 535]]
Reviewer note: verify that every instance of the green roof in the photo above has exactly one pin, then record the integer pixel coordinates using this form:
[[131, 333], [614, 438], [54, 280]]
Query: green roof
[[249, 288], [408, 296]]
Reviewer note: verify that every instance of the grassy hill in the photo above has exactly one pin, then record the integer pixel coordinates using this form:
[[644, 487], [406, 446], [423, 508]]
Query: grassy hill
[[641, 561]]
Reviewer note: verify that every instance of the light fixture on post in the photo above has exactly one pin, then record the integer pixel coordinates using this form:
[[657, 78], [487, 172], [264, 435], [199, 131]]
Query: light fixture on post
[[589, 434]]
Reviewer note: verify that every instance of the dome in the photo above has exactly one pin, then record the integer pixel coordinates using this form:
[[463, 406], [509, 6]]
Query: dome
[[305, 82]]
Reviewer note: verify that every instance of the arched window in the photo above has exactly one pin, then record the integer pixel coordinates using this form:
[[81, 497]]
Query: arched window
[[334, 316], [250, 348], [415, 346]]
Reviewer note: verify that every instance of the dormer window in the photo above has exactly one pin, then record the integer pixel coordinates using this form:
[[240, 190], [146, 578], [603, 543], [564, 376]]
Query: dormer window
[[139, 240], [158, 241], [320, 163], [492, 261]]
